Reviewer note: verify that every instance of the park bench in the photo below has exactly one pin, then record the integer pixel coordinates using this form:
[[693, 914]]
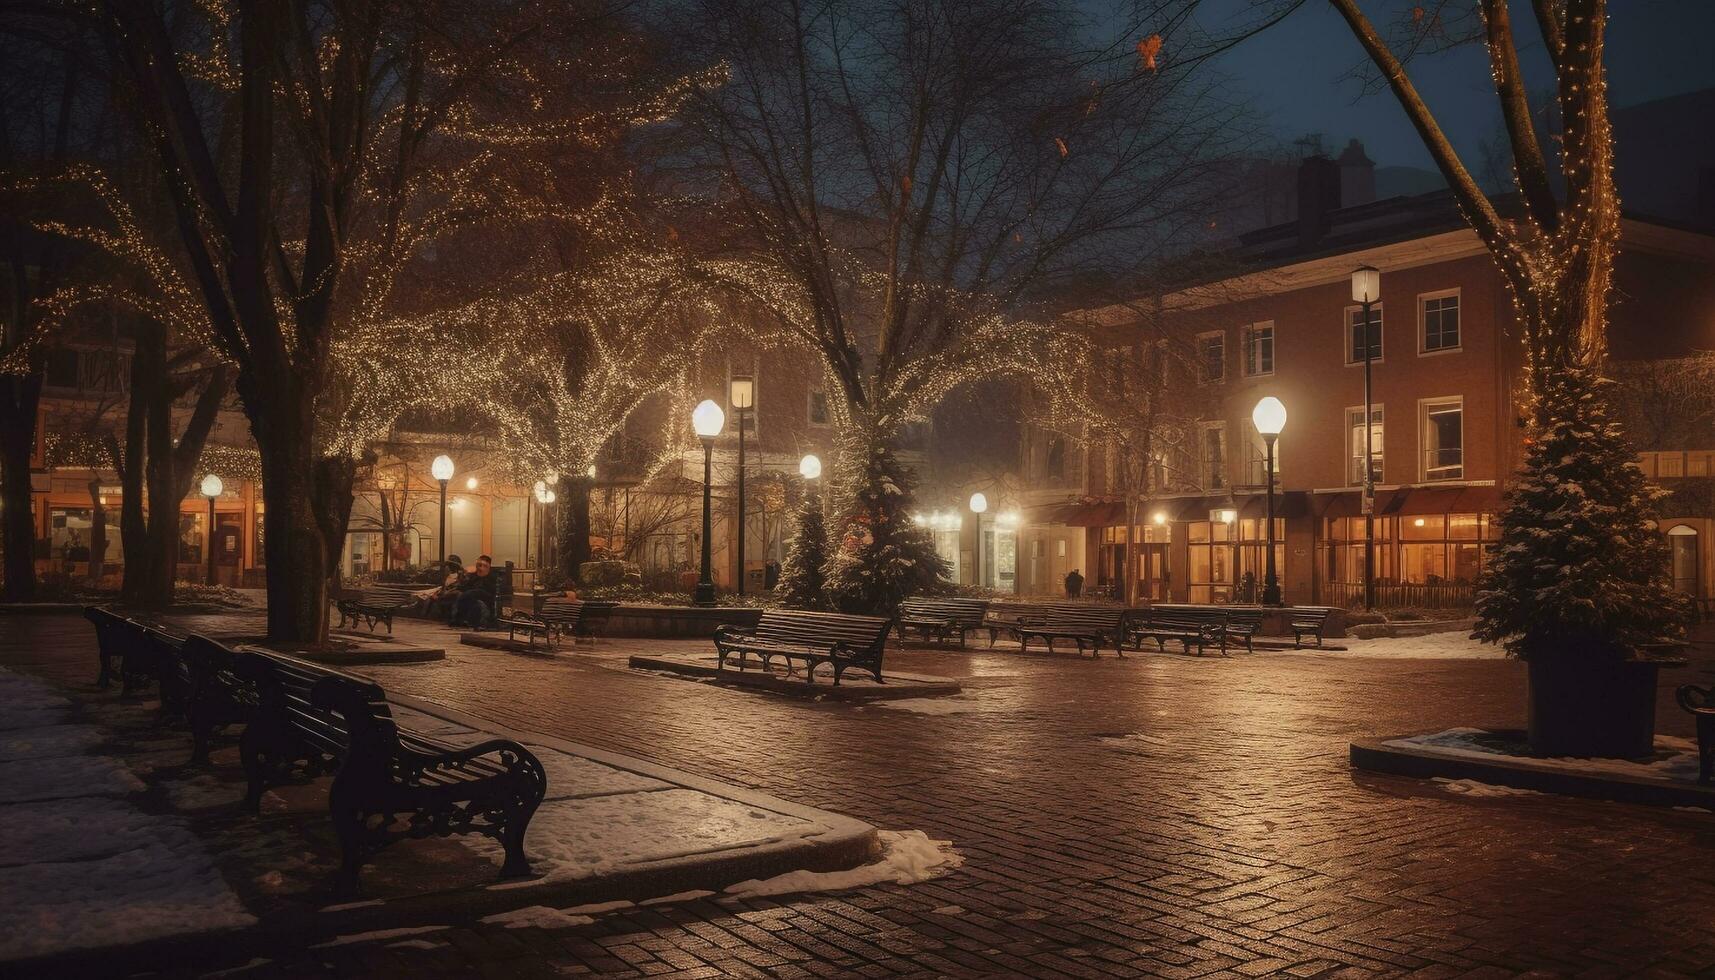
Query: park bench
[[376, 604], [1083, 624], [1309, 621], [1189, 626], [1242, 624], [217, 697], [389, 783], [119, 650], [166, 651], [1005, 618], [1700, 702], [942, 619], [816, 638], [559, 617]]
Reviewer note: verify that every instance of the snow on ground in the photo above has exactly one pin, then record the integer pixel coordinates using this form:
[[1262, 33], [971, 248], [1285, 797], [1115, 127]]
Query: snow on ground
[[378, 934], [202, 792], [1471, 787], [930, 706], [575, 838], [1675, 761], [47, 742], [1455, 645], [537, 917], [79, 865], [575, 777], [907, 857]]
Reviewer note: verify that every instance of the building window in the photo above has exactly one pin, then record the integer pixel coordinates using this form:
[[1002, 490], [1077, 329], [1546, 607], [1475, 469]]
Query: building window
[[1054, 467], [1356, 334], [1355, 444], [1259, 349], [1444, 440], [1214, 455], [1211, 356], [1440, 314], [818, 408]]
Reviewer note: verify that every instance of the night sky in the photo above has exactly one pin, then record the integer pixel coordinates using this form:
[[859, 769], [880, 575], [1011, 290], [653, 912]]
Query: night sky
[[1294, 71]]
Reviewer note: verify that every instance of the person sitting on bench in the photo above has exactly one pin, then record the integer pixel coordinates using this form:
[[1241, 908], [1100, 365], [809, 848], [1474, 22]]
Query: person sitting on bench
[[435, 602], [474, 602]]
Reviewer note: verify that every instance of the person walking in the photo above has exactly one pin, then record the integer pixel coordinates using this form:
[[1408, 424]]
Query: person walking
[[1074, 584]]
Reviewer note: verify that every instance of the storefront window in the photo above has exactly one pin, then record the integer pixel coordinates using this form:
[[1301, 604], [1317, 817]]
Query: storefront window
[[1430, 559]]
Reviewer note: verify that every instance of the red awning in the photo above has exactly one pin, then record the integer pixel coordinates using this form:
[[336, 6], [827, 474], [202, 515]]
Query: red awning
[[1350, 503], [1288, 504]]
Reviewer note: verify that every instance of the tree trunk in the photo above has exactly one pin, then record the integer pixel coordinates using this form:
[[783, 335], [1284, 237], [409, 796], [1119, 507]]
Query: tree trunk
[[574, 525], [19, 396], [294, 541], [132, 463], [335, 478]]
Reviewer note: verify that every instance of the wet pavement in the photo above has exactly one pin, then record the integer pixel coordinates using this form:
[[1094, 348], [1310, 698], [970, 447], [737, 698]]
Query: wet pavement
[[1158, 815]]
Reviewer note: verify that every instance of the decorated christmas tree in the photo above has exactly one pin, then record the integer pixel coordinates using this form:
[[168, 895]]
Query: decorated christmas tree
[[802, 584], [882, 556], [1580, 571]]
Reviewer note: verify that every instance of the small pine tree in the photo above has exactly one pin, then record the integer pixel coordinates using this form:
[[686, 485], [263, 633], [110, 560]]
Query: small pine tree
[[1580, 571], [882, 556], [802, 584]]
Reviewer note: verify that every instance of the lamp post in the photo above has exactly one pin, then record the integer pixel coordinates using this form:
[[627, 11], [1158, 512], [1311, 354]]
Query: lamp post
[[1269, 417], [442, 470], [211, 488], [707, 420], [741, 393], [979, 503], [1366, 289]]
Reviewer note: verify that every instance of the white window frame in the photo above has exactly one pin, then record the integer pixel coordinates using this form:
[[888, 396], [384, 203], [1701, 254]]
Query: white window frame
[[1246, 335], [1205, 473], [1424, 407], [1353, 413], [1423, 323], [1346, 334], [1202, 364]]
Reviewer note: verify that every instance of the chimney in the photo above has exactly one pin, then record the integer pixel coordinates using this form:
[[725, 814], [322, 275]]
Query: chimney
[[1318, 194], [1357, 176]]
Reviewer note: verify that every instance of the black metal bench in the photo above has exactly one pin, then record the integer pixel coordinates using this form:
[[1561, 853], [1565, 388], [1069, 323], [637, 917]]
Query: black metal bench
[[816, 638], [558, 617], [1309, 621], [1242, 624], [312, 720], [941, 619], [1197, 627], [1085, 625], [1005, 618], [217, 696], [377, 604], [1700, 702], [119, 648], [166, 651]]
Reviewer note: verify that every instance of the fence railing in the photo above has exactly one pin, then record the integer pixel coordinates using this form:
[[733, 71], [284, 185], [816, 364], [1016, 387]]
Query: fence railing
[[1403, 595]]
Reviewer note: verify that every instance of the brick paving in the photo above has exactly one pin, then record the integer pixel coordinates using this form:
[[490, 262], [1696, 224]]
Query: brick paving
[[1157, 816]]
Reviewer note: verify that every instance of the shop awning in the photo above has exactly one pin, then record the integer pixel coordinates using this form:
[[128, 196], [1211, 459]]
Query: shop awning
[[1349, 503], [1288, 504], [1412, 502], [1078, 514]]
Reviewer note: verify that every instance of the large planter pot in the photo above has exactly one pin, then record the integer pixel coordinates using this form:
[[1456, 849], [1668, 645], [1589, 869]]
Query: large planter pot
[[1604, 709]]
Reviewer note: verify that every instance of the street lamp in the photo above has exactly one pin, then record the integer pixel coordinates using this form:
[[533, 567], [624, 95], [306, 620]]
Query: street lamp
[[742, 395], [707, 420], [1269, 417], [211, 488], [442, 470], [1367, 289], [979, 503], [810, 467]]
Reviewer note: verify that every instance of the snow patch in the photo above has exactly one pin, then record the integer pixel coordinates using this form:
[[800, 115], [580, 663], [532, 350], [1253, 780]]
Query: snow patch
[[79, 775], [1429, 646], [689, 896], [1675, 758], [378, 934], [537, 917], [907, 857], [1471, 787], [48, 741]]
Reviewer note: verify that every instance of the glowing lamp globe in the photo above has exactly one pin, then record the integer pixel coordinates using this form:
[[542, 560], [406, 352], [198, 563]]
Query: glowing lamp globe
[[541, 491], [1366, 284], [550, 497], [708, 419], [212, 486], [470, 484], [591, 471], [810, 467], [442, 468], [1160, 518], [1269, 416], [1228, 515], [979, 503], [743, 393]]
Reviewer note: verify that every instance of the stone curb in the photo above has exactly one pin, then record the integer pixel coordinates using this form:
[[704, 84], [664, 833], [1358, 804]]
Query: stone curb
[[1373, 755], [847, 843]]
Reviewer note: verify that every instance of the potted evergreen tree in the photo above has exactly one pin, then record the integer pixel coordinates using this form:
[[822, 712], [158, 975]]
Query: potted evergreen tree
[[1578, 584]]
